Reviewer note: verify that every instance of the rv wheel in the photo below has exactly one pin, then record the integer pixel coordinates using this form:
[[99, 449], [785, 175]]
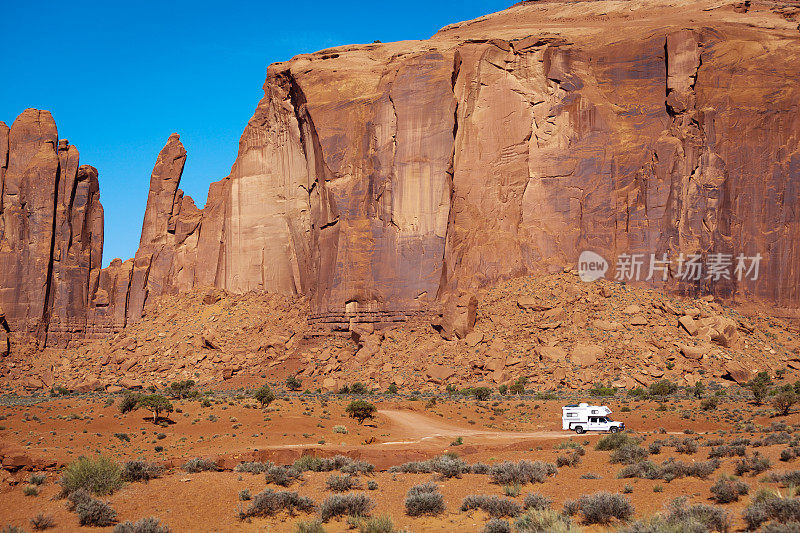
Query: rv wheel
[[579, 430], [614, 429]]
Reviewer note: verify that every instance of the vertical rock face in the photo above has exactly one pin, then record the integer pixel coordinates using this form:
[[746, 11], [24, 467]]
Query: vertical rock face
[[381, 179], [51, 231]]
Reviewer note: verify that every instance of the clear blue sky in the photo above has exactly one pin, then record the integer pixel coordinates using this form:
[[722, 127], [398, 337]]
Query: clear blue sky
[[119, 77]]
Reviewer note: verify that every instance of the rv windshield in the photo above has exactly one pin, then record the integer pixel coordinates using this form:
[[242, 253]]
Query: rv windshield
[[607, 419]]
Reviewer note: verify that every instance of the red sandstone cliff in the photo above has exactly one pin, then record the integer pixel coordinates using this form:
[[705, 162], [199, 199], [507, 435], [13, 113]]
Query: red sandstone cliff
[[377, 178]]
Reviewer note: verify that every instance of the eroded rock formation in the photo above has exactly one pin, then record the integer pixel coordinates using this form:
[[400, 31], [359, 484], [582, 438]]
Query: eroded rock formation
[[380, 179], [51, 231]]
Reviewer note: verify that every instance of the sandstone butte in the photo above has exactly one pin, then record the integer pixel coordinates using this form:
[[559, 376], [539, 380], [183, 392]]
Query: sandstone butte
[[381, 180]]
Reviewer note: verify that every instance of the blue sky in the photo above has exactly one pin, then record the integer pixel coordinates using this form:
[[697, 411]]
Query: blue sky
[[119, 77]]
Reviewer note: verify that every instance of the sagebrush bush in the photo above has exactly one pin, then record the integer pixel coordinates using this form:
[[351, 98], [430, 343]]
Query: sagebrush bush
[[521, 472], [727, 489], [669, 469], [40, 522], [446, 465], [727, 450], [680, 518], [310, 526], [141, 471], [496, 525], [99, 476], [342, 483], [771, 507], [628, 454], [424, 499], [268, 502], [787, 479], [602, 507], [93, 512], [346, 504], [375, 524], [754, 465], [282, 475], [198, 464], [493, 505], [537, 501], [143, 525], [544, 521], [614, 441]]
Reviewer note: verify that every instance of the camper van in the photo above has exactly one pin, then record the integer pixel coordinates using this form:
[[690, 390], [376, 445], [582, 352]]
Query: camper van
[[583, 417]]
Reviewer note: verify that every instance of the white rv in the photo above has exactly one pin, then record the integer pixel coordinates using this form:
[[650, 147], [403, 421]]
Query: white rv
[[583, 417]]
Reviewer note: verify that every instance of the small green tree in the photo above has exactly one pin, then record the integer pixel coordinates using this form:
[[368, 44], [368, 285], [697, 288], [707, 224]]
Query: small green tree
[[155, 403], [663, 388], [264, 395], [292, 383], [391, 389], [361, 410], [518, 387], [482, 393], [699, 389], [358, 388], [183, 389], [759, 386], [784, 401]]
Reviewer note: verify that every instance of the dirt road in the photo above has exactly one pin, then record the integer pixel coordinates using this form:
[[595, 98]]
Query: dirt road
[[420, 428]]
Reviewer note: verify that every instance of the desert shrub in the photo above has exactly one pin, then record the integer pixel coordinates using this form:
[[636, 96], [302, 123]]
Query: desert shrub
[[709, 404], [687, 446], [198, 464], [372, 485], [183, 389], [424, 499], [680, 518], [252, 467], [728, 489], [12, 529], [99, 476], [245, 495], [481, 393], [361, 410], [537, 501], [544, 521], [140, 471], [311, 526], [663, 388], [40, 522], [521, 472], [342, 483], [570, 444], [375, 524], [602, 507], [30, 490], [628, 454], [129, 402], [493, 505], [754, 465], [143, 525], [783, 402], [293, 383], [614, 441], [268, 502], [93, 512], [671, 469], [480, 468], [768, 508], [346, 504], [282, 475], [787, 454], [37, 479], [643, 470], [264, 395], [759, 386], [496, 525], [340, 429], [654, 448], [787, 479], [572, 459], [358, 467], [726, 450], [156, 403], [446, 465]]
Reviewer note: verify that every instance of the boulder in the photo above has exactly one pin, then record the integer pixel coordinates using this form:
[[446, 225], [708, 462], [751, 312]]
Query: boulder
[[439, 373], [458, 316], [689, 325], [474, 338], [586, 354], [552, 353], [531, 303]]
